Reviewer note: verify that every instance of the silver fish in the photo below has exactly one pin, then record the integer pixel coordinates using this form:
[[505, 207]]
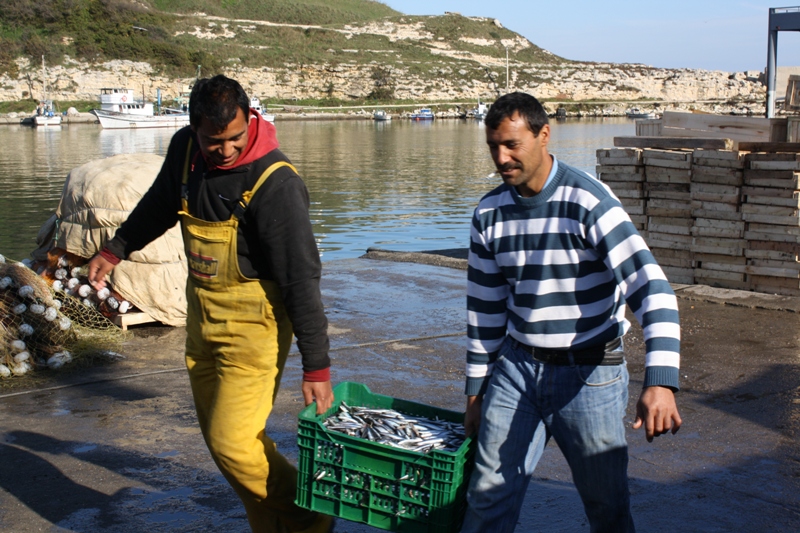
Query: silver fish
[[392, 428]]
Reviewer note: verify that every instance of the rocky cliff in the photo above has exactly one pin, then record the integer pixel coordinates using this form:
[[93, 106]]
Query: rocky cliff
[[454, 69]]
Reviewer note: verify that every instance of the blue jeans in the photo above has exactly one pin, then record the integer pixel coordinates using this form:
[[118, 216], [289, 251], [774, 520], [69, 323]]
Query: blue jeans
[[527, 402]]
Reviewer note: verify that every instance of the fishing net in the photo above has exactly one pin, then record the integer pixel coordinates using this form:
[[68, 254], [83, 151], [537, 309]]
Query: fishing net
[[42, 327], [98, 197]]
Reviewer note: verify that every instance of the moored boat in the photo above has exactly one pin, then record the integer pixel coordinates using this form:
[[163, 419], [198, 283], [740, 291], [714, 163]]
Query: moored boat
[[423, 114], [113, 120], [255, 103], [480, 112], [46, 116], [381, 116], [635, 112], [45, 113], [120, 109]]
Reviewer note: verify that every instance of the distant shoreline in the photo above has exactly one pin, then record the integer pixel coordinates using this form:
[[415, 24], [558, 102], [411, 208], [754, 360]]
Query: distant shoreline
[[300, 115]]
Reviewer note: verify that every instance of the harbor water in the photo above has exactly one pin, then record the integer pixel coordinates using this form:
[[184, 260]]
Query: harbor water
[[399, 185]]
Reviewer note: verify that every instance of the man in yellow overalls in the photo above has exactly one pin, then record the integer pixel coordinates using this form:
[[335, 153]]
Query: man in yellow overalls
[[253, 282]]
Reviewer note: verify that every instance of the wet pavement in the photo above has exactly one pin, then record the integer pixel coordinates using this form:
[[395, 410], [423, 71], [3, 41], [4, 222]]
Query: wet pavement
[[115, 447]]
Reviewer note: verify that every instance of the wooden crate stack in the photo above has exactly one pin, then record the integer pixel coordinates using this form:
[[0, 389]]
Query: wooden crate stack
[[668, 208], [771, 202], [718, 243], [622, 170]]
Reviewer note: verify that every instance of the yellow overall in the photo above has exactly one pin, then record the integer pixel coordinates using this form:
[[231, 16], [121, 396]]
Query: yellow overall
[[238, 337]]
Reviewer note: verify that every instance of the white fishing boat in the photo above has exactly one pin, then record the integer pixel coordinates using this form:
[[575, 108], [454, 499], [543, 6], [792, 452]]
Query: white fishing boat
[[46, 114], [120, 109], [255, 103], [381, 116], [110, 120], [479, 113]]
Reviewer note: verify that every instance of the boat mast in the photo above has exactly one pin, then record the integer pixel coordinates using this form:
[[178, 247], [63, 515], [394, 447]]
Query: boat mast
[[44, 83]]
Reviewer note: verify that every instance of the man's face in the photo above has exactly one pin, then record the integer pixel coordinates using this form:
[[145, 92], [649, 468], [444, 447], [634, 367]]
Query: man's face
[[520, 156], [223, 148]]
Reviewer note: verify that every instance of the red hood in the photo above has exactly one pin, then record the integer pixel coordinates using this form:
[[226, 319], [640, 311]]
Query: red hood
[[261, 140]]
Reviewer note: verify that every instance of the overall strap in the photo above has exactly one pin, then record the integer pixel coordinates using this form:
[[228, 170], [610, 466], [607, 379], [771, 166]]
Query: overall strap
[[185, 181], [241, 205]]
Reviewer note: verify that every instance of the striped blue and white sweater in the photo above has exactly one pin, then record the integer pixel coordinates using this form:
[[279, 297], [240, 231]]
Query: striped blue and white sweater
[[556, 271]]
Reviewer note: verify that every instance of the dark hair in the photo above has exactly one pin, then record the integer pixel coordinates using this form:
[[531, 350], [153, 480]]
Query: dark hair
[[216, 100], [526, 105]]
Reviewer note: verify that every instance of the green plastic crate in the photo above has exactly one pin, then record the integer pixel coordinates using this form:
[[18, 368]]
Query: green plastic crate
[[383, 486]]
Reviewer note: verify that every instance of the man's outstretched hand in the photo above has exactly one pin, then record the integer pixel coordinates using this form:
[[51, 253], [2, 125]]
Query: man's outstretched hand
[[98, 268]]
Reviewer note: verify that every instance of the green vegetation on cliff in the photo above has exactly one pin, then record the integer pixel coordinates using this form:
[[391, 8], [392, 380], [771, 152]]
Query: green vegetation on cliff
[[176, 35], [96, 30], [92, 30], [316, 12]]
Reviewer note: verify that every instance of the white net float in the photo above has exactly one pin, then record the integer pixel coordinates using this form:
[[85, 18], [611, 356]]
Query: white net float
[[64, 323], [21, 368], [57, 360], [50, 314]]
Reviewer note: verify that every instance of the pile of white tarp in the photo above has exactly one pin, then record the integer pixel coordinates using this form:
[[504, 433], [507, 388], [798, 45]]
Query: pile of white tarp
[[97, 198]]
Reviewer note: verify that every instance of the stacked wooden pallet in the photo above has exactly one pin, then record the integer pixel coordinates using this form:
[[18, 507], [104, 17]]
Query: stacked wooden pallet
[[771, 202], [701, 125], [668, 231], [718, 229], [623, 171]]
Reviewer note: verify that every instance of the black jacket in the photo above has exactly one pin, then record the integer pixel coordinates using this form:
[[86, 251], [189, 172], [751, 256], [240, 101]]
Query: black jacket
[[275, 240]]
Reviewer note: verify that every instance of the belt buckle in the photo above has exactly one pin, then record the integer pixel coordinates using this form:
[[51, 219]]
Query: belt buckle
[[544, 356], [550, 357]]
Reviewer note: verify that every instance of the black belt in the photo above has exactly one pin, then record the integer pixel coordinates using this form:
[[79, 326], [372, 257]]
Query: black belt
[[602, 354]]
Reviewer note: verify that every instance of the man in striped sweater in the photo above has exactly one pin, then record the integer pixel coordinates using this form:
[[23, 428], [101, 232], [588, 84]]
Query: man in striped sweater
[[553, 261]]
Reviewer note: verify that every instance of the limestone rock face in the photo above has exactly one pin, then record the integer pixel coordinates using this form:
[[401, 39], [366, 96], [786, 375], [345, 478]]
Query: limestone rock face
[[345, 80]]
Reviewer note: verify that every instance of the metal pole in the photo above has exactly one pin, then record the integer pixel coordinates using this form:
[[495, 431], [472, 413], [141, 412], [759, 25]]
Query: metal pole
[[771, 74]]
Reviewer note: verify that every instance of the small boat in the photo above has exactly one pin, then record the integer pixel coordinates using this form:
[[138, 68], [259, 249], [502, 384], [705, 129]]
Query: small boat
[[423, 114], [381, 115], [45, 112], [46, 116], [255, 103], [479, 113], [120, 109], [635, 112]]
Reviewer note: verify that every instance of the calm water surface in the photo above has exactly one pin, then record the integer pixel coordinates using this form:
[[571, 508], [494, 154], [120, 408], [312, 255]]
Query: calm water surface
[[398, 185]]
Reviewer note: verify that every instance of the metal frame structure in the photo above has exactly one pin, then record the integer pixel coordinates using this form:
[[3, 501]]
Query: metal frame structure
[[780, 19]]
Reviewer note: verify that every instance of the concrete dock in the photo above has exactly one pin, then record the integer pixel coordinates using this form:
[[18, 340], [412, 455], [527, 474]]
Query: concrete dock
[[116, 448]]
